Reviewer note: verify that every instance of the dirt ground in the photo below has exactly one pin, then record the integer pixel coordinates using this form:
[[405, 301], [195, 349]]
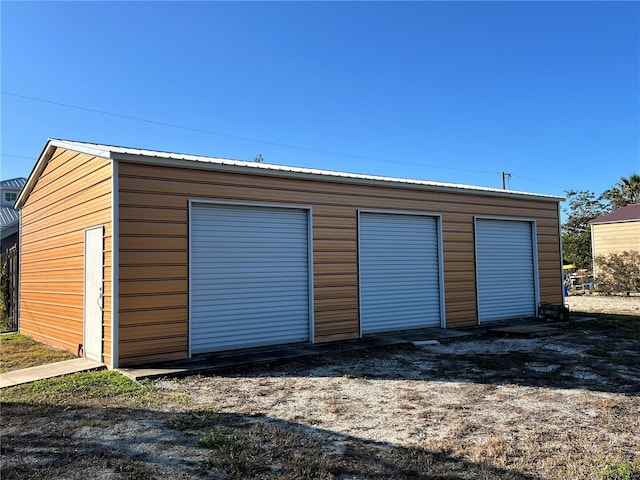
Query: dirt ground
[[557, 407]]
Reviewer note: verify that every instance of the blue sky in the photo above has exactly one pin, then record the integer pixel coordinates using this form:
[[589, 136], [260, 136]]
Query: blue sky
[[446, 91]]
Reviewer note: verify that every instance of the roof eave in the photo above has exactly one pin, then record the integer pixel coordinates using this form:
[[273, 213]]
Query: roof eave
[[335, 178], [237, 166], [9, 230]]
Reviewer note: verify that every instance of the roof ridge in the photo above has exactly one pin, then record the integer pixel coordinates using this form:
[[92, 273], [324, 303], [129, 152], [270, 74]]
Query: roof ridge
[[108, 151]]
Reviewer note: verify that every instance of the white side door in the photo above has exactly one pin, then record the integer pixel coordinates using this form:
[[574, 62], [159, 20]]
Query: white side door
[[93, 291]]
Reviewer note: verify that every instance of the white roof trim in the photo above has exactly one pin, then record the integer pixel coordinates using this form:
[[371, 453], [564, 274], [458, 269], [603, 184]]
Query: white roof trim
[[94, 149], [33, 176], [178, 159]]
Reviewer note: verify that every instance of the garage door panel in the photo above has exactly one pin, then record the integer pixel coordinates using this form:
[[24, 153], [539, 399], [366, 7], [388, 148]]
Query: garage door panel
[[249, 276], [229, 330], [265, 306], [236, 322], [505, 269], [240, 282], [389, 266], [404, 311], [388, 276], [399, 272], [240, 268], [403, 298], [252, 246], [273, 290]]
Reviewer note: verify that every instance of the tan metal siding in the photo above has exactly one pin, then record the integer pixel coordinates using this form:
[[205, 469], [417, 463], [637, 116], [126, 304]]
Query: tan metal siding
[[611, 238], [154, 276], [154, 248], [335, 267], [72, 193], [459, 269], [549, 255]]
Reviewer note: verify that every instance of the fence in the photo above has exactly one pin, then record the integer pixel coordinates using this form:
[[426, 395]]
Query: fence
[[11, 293]]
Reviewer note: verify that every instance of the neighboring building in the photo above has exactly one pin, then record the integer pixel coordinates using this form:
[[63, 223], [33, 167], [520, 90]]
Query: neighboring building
[[616, 232], [9, 216], [143, 256]]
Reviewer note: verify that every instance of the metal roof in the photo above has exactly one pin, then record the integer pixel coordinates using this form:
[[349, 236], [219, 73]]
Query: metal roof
[[224, 164], [8, 216], [13, 182], [624, 214]]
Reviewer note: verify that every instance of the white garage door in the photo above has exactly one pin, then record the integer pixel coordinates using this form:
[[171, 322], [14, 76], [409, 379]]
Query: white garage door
[[505, 269], [249, 276], [399, 272]]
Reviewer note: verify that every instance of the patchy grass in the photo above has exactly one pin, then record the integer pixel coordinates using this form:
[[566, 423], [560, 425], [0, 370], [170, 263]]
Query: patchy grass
[[195, 420], [621, 471], [19, 352], [220, 442], [88, 388], [132, 470], [556, 408], [4, 321], [271, 449], [615, 326]]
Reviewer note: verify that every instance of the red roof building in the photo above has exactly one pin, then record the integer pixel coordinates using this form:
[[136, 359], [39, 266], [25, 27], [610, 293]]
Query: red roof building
[[629, 213]]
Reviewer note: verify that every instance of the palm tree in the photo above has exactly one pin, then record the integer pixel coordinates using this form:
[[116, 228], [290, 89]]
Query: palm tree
[[625, 192]]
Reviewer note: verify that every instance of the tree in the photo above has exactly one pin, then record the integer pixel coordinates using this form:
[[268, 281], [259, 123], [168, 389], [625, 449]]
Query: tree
[[619, 272], [625, 192], [584, 206]]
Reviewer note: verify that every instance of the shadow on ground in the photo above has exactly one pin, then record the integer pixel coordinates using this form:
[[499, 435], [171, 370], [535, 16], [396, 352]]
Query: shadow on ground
[[42, 441], [600, 356]]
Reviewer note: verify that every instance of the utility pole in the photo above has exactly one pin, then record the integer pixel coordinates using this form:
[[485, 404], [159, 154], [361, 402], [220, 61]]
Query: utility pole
[[505, 176]]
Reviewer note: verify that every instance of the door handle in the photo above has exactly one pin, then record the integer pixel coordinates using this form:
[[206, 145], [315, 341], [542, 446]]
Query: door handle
[[101, 298]]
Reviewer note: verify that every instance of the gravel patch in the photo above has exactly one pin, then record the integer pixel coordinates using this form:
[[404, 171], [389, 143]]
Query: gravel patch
[[604, 304]]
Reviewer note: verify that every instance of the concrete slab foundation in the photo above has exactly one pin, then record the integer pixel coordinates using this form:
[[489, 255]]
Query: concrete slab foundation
[[57, 369]]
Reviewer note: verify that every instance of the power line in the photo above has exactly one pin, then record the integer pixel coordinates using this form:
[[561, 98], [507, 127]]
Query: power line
[[538, 181], [16, 156], [236, 137], [265, 142]]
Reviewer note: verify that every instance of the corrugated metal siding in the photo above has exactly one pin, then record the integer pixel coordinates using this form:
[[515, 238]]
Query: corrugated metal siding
[[399, 272], [72, 193], [154, 252], [249, 276], [505, 263]]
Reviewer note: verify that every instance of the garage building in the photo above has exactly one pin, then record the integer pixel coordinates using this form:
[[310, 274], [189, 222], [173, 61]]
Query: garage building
[[135, 256]]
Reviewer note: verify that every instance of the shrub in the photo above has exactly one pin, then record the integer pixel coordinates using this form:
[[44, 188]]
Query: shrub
[[620, 471], [618, 272]]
